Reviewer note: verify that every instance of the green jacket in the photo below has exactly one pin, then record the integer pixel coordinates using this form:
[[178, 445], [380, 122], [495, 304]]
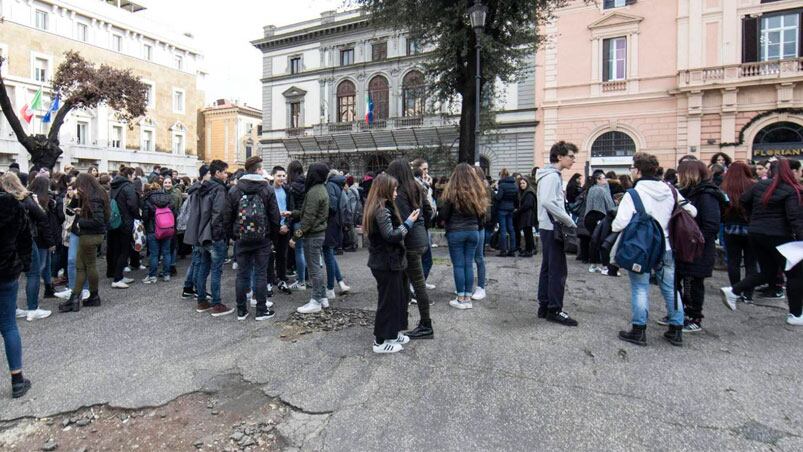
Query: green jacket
[[175, 198], [314, 212]]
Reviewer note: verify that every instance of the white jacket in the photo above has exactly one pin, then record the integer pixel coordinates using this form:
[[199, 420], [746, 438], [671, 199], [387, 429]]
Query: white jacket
[[658, 203]]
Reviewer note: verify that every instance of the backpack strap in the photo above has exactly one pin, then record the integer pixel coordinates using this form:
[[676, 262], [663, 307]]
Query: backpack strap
[[637, 204]]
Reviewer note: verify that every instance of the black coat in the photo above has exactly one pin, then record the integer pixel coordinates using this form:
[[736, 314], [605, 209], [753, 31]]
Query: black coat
[[781, 217], [155, 200], [39, 222], [709, 201], [127, 202], [526, 213], [16, 243], [93, 217], [417, 238], [507, 194], [386, 251]]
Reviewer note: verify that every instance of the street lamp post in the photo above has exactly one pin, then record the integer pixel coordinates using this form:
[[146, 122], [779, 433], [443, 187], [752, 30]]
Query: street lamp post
[[477, 13]]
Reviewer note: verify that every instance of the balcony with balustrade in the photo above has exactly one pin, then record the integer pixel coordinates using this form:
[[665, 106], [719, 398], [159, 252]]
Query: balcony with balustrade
[[763, 72]]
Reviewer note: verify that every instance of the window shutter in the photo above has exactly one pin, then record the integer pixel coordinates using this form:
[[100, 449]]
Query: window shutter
[[749, 40], [606, 59]]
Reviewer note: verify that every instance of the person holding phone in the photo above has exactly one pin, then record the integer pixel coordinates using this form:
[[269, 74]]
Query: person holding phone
[[387, 261]]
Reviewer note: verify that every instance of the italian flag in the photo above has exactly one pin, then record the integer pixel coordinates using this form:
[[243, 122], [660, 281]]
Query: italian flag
[[28, 109]]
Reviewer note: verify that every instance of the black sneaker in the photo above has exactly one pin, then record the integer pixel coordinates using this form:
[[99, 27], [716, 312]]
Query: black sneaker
[[264, 315], [771, 293], [188, 292], [283, 287], [562, 318], [542, 311], [421, 332], [19, 389], [242, 313]]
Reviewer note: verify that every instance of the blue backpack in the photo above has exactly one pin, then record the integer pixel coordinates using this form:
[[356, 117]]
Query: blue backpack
[[642, 244]]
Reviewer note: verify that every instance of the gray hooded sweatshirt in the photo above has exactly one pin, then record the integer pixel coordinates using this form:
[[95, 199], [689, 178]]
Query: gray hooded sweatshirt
[[551, 199]]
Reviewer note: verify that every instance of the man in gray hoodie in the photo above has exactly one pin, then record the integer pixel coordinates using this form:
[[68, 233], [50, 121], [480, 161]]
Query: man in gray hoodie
[[552, 211]]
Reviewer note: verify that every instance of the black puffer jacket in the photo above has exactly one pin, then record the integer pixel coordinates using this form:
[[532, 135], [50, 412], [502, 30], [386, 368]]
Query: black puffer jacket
[[781, 217], [155, 200], [507, 194], [709, 200], [127, 201], [52, 236], [296, 191], [92, 219], [386, 250], [213, 203], [15, 239], [418, 237], [39, 222]]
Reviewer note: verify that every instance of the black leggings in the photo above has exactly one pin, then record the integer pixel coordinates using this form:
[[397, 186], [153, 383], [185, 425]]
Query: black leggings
[[591, 221], [738, 250], [770, 262], [529, 241]]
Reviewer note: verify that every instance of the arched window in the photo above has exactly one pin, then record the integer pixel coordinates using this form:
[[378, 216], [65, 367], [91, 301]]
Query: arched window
[[378, 90], [613, 144], [413, 94], [779, 139], [346, 101], [485, 164], [376, 163]]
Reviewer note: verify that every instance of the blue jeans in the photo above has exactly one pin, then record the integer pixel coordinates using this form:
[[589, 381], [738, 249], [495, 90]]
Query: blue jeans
[[479, 259], [301, 262], [462, 247], [34, 278], [426, 258], [640, 291], [8, 324], [158, 248], [332, 269], [507, 233], [72, 255], [212, 258], [192, 270]]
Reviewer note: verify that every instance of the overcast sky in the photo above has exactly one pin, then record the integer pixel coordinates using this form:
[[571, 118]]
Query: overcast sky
[[223, 32]]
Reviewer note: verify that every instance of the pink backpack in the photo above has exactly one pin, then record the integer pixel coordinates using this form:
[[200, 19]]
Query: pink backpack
[[165, 223]]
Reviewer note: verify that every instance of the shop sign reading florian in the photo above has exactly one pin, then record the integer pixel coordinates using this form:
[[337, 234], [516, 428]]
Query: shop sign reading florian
[[781, 139], [788, 150]]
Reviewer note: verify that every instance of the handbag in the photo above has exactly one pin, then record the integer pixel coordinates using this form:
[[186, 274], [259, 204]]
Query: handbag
[[138, 241]]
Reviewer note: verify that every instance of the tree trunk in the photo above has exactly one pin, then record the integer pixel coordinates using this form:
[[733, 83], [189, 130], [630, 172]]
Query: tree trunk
[[468, 116]]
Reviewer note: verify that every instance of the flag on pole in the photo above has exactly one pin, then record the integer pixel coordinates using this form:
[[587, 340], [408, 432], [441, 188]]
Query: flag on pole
[[28, 109], [53, 107], [369, 109]]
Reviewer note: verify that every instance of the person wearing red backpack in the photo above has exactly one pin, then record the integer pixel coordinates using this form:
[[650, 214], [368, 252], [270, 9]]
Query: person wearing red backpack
[[160, 226], [696, 185], [658, 202]]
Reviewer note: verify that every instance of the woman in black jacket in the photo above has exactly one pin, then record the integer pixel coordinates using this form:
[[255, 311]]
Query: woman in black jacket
[[92, 215], [527, 215], [39, 232], [738, 180], [15, 257], [411, 197], [506, 199], [775, 207], [387, 261], [156, 199], [50, 235], [696, 186], [295, 184]]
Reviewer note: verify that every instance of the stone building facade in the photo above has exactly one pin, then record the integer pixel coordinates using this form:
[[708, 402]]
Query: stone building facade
[[672, 77], [317, 77], [229, 132], [34, 37]]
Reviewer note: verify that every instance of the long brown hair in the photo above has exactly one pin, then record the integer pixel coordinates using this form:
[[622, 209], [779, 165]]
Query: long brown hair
[[736, 182], [89, 188], [691, 173], [465, 191], [40, 186], [381, 192]]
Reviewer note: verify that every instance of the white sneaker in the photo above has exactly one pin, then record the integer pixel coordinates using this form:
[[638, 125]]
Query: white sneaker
[[400, 339], [387, 347], [479, 294], [142, 267], [460, 304], [298, 286], [412, 289], [64, 294], [128, 280], [324, 302], [594, 269], [343, 287], [430, 286], [121, 284], [330, 294], [21, 313], [234, 266], [794, 320], [84, 294], [166, 278], [413, 301], [729, 298], [310, 308], [253, 303], [37, 314], [149, 280], [127, 269]]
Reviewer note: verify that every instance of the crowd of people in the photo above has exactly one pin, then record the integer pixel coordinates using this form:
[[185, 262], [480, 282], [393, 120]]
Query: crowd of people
[[285, 227]]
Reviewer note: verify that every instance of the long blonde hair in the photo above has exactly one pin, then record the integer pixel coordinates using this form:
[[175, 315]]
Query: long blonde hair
[[12, 185], [465, 191]]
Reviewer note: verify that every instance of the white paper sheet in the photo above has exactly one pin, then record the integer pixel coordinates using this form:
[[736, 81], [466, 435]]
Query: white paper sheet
[[793, 252]]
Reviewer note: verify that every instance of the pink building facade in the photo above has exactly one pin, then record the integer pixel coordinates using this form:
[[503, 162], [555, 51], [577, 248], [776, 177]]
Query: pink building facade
[[672, 77]]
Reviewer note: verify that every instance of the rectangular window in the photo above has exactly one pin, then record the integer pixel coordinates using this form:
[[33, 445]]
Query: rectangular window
[[151, 96], [81, 32], [608, 4], [178, 101], [295, 65], [178, 60], [41, 19], [346, 57], [248, 151], [147, 140], [778, 37], [614, 59], [40, 70], [295, 115], [379, 51], [147, 52], [81, 130], [117, 137], [178, 143], [413, 48], [117, 43]]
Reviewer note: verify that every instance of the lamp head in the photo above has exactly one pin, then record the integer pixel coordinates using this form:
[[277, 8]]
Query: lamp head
[[478, 13]]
